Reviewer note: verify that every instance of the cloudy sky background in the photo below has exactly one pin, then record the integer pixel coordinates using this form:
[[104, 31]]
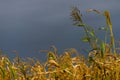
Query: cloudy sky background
[[32, 25]]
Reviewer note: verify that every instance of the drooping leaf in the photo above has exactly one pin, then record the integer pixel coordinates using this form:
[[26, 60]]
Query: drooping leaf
[[85, 39], [92, 33], [51, 56], [94, 10], [80, 25]]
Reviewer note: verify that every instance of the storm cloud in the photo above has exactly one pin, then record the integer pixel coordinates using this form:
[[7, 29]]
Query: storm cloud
[[31, 25]]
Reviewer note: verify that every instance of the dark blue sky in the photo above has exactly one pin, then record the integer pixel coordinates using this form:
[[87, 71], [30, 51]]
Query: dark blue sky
[[32, 25]]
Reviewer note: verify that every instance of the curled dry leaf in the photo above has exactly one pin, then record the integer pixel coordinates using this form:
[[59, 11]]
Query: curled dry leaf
[[53, 63]]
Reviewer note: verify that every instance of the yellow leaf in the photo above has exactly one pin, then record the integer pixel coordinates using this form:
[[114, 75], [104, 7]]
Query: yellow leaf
[[53, 63]]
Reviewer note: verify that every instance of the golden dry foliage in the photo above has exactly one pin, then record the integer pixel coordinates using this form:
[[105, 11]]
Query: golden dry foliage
[[65, 67]]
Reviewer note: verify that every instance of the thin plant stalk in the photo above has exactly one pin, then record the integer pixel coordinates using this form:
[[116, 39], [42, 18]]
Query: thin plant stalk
[[109, 24]]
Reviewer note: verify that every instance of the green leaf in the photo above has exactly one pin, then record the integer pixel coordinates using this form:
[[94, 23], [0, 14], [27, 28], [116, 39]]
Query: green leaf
[[85, 39], [102, 28], [80, 25], [92, 33], [102, 46]]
